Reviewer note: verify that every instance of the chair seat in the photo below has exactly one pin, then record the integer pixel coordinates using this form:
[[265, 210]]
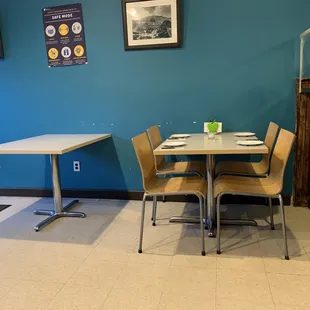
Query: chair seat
[[182, 167], [246, 185], [177, 185], [241, 167]]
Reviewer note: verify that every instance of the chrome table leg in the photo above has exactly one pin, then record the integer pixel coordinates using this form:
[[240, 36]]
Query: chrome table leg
[[210, 202], [59, 210], [210, 196], [211, 206]]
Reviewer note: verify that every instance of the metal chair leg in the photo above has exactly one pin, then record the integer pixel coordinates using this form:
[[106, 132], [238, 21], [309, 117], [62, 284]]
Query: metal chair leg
[[284, 228], [142, 223], [205, 214], [154, 210], [271, 213], [218, 224], [202, 230]]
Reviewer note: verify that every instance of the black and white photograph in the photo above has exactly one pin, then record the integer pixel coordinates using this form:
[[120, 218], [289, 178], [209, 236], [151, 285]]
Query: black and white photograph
[[150, 24]]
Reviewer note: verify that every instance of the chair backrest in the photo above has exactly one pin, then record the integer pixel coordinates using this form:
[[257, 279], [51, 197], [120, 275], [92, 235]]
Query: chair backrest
[[145, 158], [280, 156], [155, 140], [270, 140]]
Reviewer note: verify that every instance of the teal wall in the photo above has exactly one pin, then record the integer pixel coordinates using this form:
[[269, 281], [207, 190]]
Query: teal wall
[[238, 64]]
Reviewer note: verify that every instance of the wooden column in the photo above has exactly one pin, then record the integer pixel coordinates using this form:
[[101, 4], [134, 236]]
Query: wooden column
[[301, 195]]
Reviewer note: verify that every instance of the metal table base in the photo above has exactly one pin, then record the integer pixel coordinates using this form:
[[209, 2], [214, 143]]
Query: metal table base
[[210, 163], [211, 233], [59, 210]]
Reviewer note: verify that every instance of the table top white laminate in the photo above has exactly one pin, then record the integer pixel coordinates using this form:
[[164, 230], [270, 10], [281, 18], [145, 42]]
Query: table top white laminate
[[200, 144], [51, 144]]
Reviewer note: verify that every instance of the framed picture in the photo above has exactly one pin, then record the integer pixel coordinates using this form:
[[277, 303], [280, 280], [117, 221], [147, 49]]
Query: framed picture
[[150, 24], [1, 48]]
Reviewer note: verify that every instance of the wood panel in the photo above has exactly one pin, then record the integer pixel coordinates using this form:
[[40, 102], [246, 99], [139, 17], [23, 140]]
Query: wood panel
[[301, 195]]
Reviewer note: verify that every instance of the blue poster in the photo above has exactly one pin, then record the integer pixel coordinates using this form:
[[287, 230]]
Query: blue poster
[[64, 35]]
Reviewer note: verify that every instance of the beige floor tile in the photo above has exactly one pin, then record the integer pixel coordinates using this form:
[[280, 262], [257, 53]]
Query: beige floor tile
[[275, 248], [109, 254], [251, 264], [196, 261], [141, 276], [290, 289], [161, 238], [187, 301], [97, 273], [280, 265], [128, 217], [231, 247], [129, 244], [6, 284], [167, 248], [121, 237], [17, 266], [11, 246], [119, 230], [239, 232], [239, 285], [182, 280], [79, 297], [104, 253], [150, 259], [58, 270], [303, 238], [123, 299], [170, 239], [53, 251], [289, 307], [228, 304], [30, 295]]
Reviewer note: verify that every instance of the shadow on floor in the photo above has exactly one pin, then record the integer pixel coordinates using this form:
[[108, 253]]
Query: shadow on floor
[[239, 240], [87, 231]]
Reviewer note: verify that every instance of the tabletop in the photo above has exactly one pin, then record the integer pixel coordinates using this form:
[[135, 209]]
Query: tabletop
[[51, 144], [223, 143]]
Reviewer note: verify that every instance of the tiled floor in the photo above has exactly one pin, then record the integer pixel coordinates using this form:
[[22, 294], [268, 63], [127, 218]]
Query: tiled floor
[[93, 263]]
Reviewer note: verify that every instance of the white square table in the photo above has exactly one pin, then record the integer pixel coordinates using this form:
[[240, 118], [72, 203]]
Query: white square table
[[200, 144], [53, 145]]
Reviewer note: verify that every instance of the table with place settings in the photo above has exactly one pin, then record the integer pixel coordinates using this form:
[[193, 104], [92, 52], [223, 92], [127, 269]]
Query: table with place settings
[[201, 144]]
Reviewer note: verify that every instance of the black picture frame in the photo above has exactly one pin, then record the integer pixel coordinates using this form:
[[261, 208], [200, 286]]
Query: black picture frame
[[1, 48], [156, 45]]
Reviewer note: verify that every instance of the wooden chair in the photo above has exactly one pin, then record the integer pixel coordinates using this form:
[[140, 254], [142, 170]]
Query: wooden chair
[[251, 168], [269, 187], [173, 168], [154, 186]]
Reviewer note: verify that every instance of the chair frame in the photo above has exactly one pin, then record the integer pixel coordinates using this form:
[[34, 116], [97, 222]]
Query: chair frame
[[202, 203], [253, 175], [262, 175], [269, 197], [163, 174], [163, 196]]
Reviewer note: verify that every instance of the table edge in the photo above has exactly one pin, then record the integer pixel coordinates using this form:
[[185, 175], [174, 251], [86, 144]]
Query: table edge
[[60, 152], [191, 152]]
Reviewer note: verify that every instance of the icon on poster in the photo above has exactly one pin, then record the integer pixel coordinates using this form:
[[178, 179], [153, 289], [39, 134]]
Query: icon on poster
[[63, 29], [77, 28], [50, 31], [66, 52], [79, 51], [53, 53]]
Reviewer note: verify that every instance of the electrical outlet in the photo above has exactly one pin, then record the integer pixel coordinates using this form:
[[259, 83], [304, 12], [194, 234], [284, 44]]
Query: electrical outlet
[[76, 166]]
